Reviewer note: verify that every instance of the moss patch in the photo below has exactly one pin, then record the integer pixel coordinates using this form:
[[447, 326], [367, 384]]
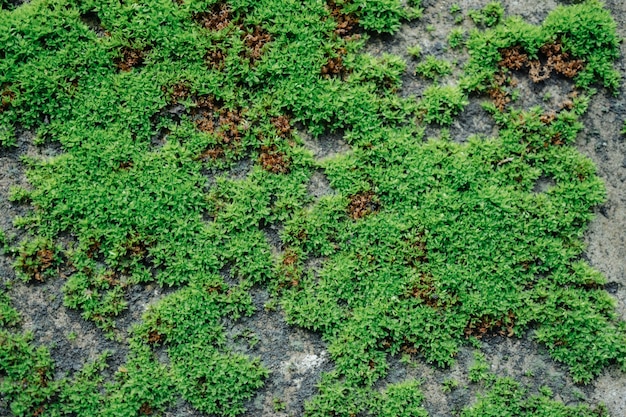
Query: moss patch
[[427, 245]]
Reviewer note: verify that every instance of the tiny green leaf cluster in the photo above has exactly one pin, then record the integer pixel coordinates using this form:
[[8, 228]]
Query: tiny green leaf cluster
[[433, 68], [488, 16]]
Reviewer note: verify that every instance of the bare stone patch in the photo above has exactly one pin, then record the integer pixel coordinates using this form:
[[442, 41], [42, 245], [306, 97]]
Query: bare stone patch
[[296, 357], [319, 186], [543, 184], [325, 146]]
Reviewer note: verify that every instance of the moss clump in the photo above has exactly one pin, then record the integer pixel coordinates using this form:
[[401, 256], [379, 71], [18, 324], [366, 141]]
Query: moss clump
[[594, 41], [37, 259], [440, 104], [433, 68], [488, 16], [504, 396]]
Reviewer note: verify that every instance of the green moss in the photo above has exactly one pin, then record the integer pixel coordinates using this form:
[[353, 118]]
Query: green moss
[[402, 399], [37, 259], [433, 68], [415, 51], [488, 16], [8, 315], [507, 397], [596, 28], [440, 104], [425, 244], [381, 16], [456, 38]]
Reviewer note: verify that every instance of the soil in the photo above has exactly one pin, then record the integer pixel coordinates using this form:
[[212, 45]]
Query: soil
[[296, 357]]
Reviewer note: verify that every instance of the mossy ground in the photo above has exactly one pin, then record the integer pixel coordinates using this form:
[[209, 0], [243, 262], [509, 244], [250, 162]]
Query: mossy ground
[[183, 167]]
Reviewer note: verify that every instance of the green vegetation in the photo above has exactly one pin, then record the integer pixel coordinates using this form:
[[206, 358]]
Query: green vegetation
[[426, 245], [36, 259], [397, 400], [278, 404], [449, 385], [488, 16], [593, 41], [506, 397], [415, 51], [456, 38], [433, 68], [455, 10], [8, 315], [440, 104], [479, 371]]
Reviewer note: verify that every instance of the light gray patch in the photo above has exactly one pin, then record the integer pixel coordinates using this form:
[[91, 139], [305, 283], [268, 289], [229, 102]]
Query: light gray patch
[[325, 146], [295, 357], [319, 186], [543, 184]]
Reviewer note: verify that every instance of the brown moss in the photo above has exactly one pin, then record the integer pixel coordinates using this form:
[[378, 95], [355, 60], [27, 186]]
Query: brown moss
[[547, 118], [569, 69], [290, 258], [211, 154], [155, 338], [136, 248], [145, 409], [111, 278], [205, 112], [282, 125], [215, 19], [273, 160], [347, 24], [230, 126], [215, 58], [93, 249], [481, 326], [409, 349], [567, 104], [254, 42], [126, 165], [539, 72], [180, 91], [500, 97], [551, 58], [425, 291], [560, 61], [334, 66], [227, 125], [36, 265], [290, 269], [130, 58], [556, 139], [6, 98], [302, 235], [513, 58], [43, 377], [362, 204], [498, 93]]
